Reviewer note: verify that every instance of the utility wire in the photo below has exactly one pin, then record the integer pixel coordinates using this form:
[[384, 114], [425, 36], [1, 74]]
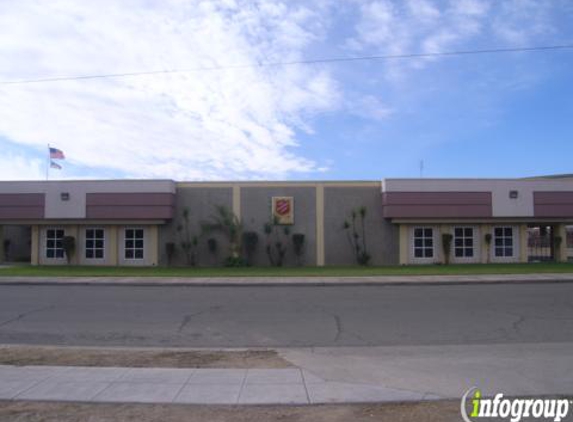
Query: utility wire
[[291, 63]]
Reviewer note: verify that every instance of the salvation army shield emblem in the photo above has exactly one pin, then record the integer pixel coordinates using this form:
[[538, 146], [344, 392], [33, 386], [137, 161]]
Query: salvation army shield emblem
[[283, 209]]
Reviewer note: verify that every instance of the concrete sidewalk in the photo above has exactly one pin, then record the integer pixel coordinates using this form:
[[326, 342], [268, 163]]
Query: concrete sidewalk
[[321, 375], [290, 281], [191, 386]]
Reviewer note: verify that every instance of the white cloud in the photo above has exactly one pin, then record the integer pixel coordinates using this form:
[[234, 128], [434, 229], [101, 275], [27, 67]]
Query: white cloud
[[523, 21], [416, 26], [220, 124], [18, 167], [369, 107]]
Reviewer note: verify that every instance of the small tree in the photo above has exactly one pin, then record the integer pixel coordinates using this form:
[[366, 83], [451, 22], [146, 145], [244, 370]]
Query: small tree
[[69, 246], [447, 246], [213, 247], [188, 241], [487, 238], [250, 242], [225, 221], [557, 240], [170, 252], [6, 245], [298, 246], [356, 235], [276, 247]]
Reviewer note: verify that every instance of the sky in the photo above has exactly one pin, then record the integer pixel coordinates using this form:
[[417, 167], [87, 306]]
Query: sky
[[226, 100]]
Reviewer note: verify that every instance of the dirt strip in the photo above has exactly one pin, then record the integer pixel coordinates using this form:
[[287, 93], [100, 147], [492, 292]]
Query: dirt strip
[[156, 358], [443, 411]]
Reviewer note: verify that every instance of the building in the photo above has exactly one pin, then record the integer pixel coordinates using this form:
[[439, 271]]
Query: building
[[142, 222]]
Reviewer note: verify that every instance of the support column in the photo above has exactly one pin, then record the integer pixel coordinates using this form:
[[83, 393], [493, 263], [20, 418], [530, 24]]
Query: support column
[[439, 247], [485, 250], [73, 231], [113, 257], [2, 251], [153, 245], [237, 201], [561, 250], [35, 246], [523, 239], [403, 244], [320, 253]]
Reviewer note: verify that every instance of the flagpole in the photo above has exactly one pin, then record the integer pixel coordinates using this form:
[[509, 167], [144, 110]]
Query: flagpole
[[48, 164]]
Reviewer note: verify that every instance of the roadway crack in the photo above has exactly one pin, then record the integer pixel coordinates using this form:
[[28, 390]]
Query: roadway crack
[[340, 330], [516, 325], [25, 314], [338, 327], [187, 319]]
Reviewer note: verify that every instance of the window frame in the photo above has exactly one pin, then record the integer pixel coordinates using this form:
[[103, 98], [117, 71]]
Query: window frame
[[133, 248], [94, 249], [504, 246], [55, 239], [464, 247], [424, 238]]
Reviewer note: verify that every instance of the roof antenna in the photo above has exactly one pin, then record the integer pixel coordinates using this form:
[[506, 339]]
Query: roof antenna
[[421, 169]]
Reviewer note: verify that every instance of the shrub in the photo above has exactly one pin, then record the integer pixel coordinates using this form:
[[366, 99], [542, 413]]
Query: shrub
[[69, 245], [356, 235], [557, 240], [225, 221], [250, 242], [188, 241], [487, 238], [170, 252], [6, 245], [235, 262], [298, 246], [212, 245], [447, 246], [276, 245]]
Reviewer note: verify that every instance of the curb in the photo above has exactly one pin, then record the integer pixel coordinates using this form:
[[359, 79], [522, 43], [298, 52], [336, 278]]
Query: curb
[[292, 282]]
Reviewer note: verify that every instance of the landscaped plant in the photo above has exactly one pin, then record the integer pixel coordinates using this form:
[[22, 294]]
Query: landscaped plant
[[188, 241], [170, 252], [250, 242], [487, 238], [276, 247], [6, 245], [298, 246], [225, 221], [447, 246], [356, 235], [213, 247], [69, 246], [557, 240]]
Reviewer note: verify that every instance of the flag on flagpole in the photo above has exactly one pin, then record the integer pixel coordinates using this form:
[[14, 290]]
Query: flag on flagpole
[[56, 153], [55, 165]]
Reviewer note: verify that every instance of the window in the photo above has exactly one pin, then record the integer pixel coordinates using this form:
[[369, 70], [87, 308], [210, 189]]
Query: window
[[423, 242], [463, 242], [133, 244], [95, 239], [503, 241], [54, 247]]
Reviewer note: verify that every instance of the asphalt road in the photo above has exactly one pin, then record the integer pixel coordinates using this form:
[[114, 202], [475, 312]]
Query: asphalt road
[[286, 316]]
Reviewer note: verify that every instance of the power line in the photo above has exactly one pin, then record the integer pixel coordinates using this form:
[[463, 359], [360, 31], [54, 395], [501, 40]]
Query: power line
[[291, 63]]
